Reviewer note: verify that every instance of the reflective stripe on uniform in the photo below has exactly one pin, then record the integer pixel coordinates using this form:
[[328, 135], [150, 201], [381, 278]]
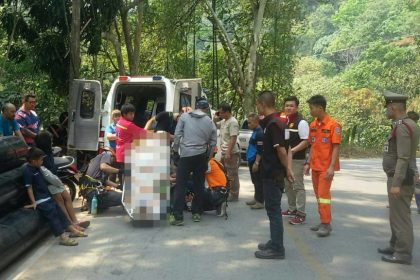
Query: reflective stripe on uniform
[[324, 200], [122, 127]]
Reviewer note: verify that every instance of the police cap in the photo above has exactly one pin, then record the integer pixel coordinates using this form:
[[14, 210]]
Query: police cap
[[391, 97]]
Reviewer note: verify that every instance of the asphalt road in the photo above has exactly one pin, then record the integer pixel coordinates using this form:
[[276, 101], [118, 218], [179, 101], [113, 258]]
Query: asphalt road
[[224, 249]]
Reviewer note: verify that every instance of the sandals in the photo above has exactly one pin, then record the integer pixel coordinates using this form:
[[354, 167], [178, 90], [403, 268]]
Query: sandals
[[77, 234], [77, 227], [83, 224], [68, 242]]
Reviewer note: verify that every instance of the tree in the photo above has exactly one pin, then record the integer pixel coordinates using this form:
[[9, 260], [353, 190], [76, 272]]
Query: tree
[[75, 41], [241, 45]]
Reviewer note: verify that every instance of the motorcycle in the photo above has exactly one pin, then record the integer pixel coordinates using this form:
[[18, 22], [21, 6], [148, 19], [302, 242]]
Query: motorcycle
[[67, 172]]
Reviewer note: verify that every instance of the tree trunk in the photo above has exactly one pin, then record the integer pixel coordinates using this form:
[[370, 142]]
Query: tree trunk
[[127, 39], [132, 42], [232, 52], [117, 48], [75, 42], [245, 86], [249, 100], [137, 37]]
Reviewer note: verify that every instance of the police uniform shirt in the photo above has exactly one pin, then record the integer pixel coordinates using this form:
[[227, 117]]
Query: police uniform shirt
[[400, 150]]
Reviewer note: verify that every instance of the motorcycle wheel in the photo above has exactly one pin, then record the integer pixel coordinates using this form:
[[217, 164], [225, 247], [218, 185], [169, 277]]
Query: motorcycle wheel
[[71, 186]]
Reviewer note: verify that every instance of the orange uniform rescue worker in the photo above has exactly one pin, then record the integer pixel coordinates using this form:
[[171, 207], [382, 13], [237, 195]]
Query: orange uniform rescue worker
[[324, 138]]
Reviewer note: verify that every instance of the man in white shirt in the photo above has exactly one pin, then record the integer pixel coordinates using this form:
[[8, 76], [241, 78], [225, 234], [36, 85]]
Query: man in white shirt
[[229, 131], [298, 130]]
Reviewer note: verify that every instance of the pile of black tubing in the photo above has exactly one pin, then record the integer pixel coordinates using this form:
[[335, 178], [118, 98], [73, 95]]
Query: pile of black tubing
[[19, 228]]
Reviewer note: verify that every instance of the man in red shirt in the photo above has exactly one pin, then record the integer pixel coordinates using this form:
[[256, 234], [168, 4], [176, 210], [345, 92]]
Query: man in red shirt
[[126, 131], [324, 138]]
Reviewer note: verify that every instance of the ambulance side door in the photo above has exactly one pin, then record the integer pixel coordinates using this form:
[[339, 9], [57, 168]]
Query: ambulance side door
[[185, 93], [84, 115]]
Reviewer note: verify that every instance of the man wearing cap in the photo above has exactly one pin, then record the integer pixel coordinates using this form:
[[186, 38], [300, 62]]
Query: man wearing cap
[[399, 162], [195, 138]]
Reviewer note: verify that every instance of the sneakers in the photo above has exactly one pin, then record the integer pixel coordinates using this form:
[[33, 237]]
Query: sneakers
[[257, 205], [251, 202], [288, 213], [324, 230], [297, 220], [221, 209], [196, 218], [174, 222]]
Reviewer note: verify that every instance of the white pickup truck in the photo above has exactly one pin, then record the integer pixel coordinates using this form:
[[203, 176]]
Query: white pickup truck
[[243, 139]]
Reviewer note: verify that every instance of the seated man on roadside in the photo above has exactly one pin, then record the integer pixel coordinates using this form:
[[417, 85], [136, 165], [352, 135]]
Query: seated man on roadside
[[100, 167], [8, 124], [96, 181], [40, 199], [216, 194], [56, 188]]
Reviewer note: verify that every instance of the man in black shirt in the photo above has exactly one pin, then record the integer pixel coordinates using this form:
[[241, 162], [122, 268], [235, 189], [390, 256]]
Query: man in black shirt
[[275, 166], [164, 121]]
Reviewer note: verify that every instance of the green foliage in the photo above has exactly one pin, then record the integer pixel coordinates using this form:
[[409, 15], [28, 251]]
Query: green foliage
[[359, 22], [350, 51], [360, 49]]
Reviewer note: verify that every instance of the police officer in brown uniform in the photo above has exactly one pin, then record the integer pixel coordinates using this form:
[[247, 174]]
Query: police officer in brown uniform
[[399, 163]]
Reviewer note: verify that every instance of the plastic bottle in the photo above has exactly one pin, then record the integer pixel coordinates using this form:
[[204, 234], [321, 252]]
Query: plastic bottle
[[94, 206]]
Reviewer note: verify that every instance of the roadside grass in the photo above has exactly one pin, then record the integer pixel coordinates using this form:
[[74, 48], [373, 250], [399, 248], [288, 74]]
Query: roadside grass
[[352, 151]]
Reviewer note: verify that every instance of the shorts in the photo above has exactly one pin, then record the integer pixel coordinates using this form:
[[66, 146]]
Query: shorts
[[55, 189]]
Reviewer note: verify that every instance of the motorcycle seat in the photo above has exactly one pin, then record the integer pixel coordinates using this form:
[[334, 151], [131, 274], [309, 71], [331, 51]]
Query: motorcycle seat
[[62, 161]]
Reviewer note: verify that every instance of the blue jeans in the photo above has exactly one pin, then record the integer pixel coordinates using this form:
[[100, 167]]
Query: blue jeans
[[272, 195], [54, 215]]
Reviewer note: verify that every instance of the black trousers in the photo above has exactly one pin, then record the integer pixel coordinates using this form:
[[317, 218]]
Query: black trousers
[[273, 189], [197, 165], [257, 181], [54, 215]]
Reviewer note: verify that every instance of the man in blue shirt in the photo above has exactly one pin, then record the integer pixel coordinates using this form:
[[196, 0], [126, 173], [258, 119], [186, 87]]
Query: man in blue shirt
[[110, 132], [253, 156], [8, 124]]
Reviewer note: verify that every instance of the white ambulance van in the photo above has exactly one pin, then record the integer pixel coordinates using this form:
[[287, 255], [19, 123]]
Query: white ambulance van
[[150, 95]]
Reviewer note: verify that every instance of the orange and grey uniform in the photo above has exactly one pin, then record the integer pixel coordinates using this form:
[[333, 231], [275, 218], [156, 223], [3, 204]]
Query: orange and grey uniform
[[322, 136]]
